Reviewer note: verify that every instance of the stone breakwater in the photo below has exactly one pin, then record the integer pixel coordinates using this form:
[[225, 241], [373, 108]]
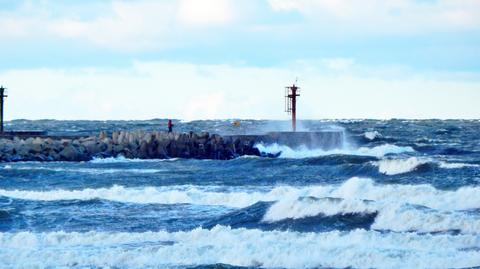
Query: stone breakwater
[[148, 145], [136, 144]]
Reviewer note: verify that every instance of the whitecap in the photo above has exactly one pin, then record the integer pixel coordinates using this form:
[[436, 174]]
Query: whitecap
[[239, 247], [446, 165], [93, 171], [354, 188], [371, 135], [309, 207], [399, 166], [391, 215], [408, 218], [122, 159], [304, 152]]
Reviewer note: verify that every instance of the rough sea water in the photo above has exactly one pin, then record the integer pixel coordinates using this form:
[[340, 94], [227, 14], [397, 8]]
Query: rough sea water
[[398, 194]]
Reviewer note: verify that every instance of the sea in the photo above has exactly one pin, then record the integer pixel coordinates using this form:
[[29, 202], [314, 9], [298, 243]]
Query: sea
[[397, 194]]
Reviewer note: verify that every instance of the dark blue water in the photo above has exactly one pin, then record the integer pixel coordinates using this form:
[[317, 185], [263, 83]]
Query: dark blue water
[[398, 194]]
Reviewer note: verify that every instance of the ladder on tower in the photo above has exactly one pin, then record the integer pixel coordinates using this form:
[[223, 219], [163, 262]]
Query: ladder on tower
[[291, 94]]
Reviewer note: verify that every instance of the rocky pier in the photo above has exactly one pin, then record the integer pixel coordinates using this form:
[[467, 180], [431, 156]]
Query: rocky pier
[[153, 145]]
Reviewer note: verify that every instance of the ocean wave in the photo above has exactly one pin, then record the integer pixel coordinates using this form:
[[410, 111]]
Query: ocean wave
[[423, 194], [253, 217], [240, 247], [354, 188], [122, 159], [446, 165], [151, 195], [391, 216], [310, 206], [399, 166], [371, 135], [6, 212], [93, 171], [303, 152], [408, 218]]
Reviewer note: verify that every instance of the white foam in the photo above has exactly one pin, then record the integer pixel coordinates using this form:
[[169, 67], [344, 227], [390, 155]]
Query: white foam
[[403, 218], [308, 207], [151, 195], [399, 166], [372, 135], [423, 194], [248, 157], [122, 159], [380, 151], [354, 188], [446, 165], [94, 171], [391, 216], [239, 247], [304, 152]]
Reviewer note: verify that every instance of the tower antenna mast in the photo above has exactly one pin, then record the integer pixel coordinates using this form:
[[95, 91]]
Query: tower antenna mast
[[2, 96], [291, 94]]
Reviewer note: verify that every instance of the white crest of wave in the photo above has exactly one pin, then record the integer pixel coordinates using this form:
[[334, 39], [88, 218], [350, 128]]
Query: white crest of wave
[[422, 194], [372, 135], [93, 171], [399, 166], [354, 188], [149, 195], [239, 247], [392, 216], [309, 207], [446, 165], [404, 218], [122, 159], [304, 152]]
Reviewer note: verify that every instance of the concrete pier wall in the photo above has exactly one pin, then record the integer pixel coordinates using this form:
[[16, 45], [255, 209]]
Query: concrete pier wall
[[155, 145]]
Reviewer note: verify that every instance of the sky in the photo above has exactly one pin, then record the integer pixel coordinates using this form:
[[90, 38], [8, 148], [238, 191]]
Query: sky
[[218, 59]]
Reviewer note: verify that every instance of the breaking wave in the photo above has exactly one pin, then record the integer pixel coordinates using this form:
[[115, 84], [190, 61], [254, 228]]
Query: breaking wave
[[354, 188], [418, 219], [399, 217], [371, 135], [122, 159], [268, 249], [93, 171], [446, 165], [310, 206], [399, 166], [303, 152]]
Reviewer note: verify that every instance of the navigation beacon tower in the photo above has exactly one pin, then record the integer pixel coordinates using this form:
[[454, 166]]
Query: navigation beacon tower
[[291, 94], [2, 96]]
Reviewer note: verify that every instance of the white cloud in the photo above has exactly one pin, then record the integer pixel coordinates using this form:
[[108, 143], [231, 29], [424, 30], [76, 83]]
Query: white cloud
[[149, 24], [379, 16], [130, 25], [206, 12], [206, 106], [121, 25], [339, 63], [187, 91]]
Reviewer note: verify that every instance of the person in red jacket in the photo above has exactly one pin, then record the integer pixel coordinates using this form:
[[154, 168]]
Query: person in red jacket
[[170, 126]]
